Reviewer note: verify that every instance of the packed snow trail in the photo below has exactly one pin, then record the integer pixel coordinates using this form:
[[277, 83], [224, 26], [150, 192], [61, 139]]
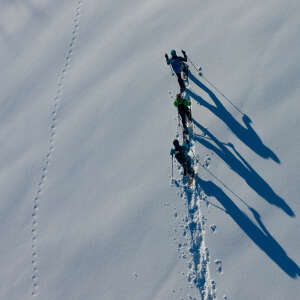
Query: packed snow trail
[[37, 197], [195, 222], [199, 274]]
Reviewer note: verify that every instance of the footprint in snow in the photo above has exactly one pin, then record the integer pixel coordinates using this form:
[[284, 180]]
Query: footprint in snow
[[213, 228], [219, 265]]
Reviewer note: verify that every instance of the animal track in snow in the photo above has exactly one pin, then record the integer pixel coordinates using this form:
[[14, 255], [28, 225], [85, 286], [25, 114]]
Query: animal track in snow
[[207, 161], [213, 228], [52, 133], [219, 265]]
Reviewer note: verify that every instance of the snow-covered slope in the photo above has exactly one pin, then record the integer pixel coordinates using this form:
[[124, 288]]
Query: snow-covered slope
[[86, 123]]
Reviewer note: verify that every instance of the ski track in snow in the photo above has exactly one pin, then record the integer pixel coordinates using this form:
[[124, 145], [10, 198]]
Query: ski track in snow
[[199, 273], [194, 228], [51, 140]]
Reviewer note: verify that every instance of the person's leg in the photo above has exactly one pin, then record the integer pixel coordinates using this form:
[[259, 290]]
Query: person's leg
[[190, 169], [181, 82], [188, 113], [185, 70], [185, 170], [181, 111]]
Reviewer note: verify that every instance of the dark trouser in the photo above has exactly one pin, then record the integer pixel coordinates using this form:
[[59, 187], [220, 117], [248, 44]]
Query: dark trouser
[[187, 169], [181, 82], [184, 112], [186, 163], [185, 70]]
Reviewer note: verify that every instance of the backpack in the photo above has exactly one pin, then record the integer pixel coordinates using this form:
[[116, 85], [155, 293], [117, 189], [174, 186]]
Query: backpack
[[181, 155]]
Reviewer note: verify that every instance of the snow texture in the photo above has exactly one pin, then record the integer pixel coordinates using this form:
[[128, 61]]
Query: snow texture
[[88, 207]]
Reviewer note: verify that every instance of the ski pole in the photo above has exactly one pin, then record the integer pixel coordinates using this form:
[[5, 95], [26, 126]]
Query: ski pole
[[172, 166], [171, 69], [195, 157], [203, 136], [226, 98], [225, 186], [198, 69], [209, 202], [168, 63]]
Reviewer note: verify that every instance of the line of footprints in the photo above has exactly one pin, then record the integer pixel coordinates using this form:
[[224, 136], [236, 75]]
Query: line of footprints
[[36, 200]]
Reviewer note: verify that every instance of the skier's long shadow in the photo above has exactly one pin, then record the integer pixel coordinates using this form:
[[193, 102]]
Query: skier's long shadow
[[258, 234], [246, 134], [238, 164]]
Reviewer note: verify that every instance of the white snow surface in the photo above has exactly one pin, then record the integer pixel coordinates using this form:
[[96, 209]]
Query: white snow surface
[[87, 207]]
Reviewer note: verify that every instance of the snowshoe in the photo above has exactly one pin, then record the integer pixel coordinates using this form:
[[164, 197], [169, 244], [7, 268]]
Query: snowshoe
[[190, 180]]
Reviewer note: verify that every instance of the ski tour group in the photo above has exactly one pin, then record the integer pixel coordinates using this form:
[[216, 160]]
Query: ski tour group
[[182, 102]]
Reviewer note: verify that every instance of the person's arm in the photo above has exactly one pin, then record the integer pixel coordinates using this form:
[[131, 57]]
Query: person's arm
[[167, 59], [182, 59], [184, 54], [186, 145]]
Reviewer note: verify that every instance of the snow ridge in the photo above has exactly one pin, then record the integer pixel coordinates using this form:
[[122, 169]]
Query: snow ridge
[[53, 124]]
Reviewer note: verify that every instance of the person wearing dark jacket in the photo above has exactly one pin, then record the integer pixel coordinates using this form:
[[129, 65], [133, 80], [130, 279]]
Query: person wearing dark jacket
[[181, 154], [178, 65]]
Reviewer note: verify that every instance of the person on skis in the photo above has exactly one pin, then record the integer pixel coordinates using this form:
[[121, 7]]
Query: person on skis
[[184, 110], [181, 154], [178, 65]]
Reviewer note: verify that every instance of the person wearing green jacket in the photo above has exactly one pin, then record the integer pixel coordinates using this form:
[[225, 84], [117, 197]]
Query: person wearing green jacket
[[184, 110]]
